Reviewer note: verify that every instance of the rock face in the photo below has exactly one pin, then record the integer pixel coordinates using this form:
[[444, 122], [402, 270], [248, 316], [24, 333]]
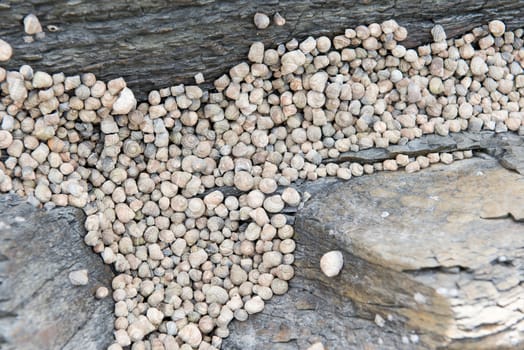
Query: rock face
[[39, 307], [156, 44], [420, 249], [308, 313], [507, 146]]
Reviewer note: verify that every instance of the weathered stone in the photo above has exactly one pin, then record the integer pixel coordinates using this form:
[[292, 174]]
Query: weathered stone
[[513, 157], [39, 307], [446, 267], [149, 65]]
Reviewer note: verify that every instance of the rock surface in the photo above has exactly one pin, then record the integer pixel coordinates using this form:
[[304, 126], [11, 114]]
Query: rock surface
[[507, 146], [39, 307], [156, 44], [307, 314], [416, 249]]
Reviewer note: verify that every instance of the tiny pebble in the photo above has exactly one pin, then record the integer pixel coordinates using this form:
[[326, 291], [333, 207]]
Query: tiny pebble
[[379, 321], [125, 102], [5, 51], [101, 292], [497, 28], [316, 346], [254, 305], [79, 277], [278, 19], [191, 335], [199, 78], [261, 20]]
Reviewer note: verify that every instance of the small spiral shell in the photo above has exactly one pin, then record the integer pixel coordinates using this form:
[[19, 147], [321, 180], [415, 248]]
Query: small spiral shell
[[132, 148]]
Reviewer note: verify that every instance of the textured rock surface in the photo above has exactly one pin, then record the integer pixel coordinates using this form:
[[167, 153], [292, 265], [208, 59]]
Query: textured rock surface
[[308, 313], [416, 248], [39, 307], [157, 44], [508, 147]]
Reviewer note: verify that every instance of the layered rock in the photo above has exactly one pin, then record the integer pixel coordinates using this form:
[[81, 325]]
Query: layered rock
[[157, 44], [430, 250]]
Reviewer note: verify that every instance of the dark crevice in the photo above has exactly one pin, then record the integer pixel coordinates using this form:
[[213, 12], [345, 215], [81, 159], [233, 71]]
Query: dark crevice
[[437, 269]]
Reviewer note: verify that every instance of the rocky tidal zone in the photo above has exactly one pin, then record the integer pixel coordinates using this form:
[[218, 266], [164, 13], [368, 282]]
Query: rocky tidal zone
[[189, 256]]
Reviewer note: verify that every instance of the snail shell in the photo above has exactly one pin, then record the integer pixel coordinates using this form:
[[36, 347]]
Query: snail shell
[[132, 148]]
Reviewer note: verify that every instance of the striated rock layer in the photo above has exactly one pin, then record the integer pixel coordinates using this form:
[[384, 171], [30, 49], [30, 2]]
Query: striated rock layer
[[430, 250], [155, 44]]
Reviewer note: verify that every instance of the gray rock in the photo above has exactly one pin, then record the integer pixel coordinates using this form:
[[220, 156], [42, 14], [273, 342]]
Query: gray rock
[[418, 247], [213, 38], [310, 312], [513, 159], [39, 307], [510, 151]]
